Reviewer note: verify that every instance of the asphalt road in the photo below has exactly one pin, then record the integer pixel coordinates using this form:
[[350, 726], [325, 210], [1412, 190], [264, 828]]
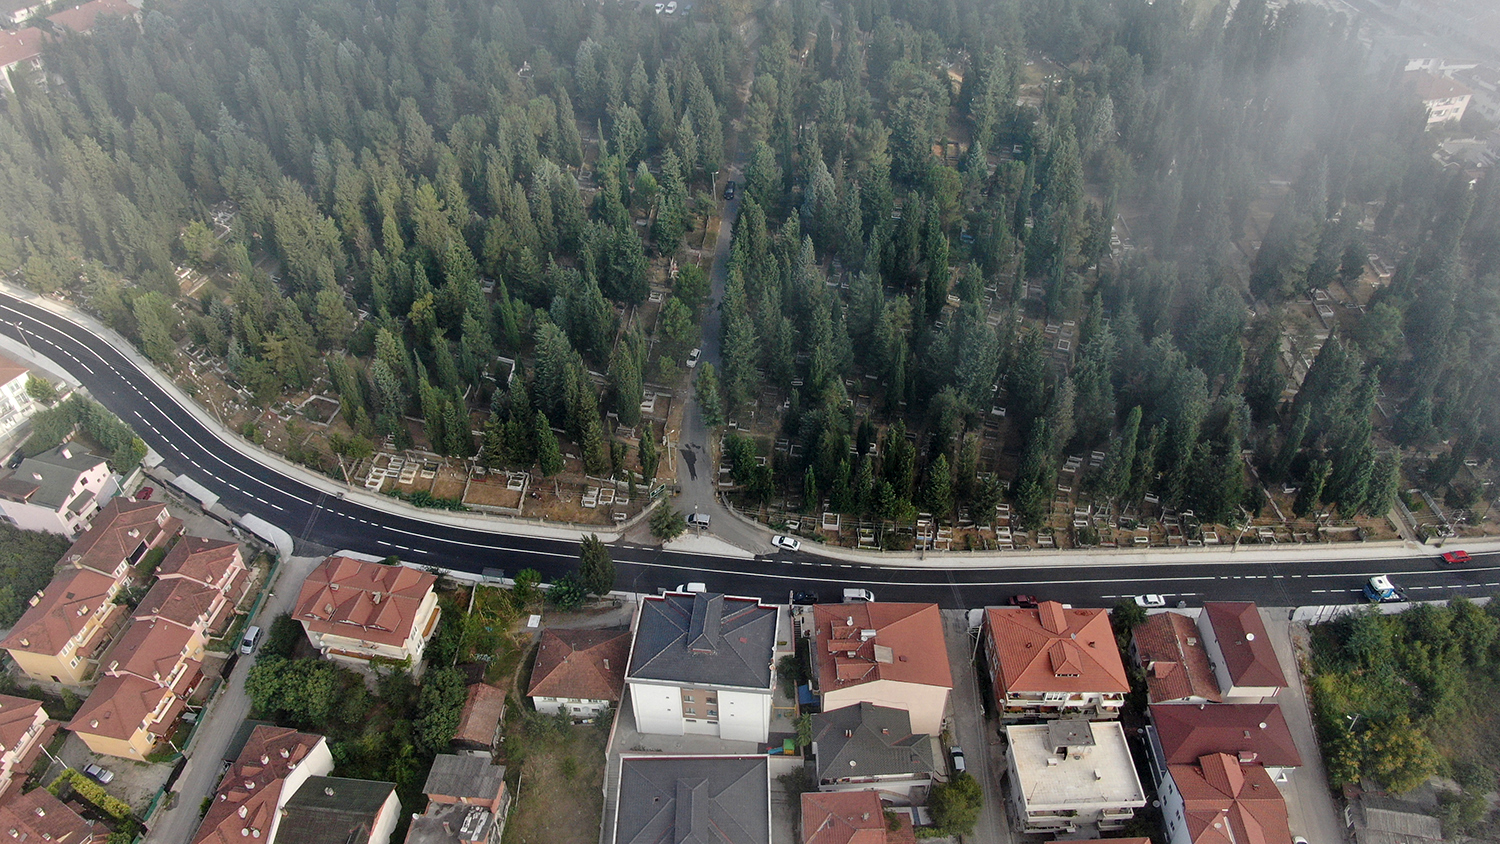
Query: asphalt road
[[316, 518]]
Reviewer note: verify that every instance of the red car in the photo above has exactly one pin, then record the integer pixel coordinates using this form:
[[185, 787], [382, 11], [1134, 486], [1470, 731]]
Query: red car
[[1457, 558], [144, 494]]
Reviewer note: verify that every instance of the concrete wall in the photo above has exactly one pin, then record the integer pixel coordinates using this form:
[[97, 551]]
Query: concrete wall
[[926, 704], [658, 709], [1174, 819], [580, 709], [744, 715]]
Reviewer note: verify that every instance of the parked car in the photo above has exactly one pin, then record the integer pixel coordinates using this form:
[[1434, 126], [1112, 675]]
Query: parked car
[[1024, 601], [699, 520], [858, 595], [1457, 558], [100, 775], [729, 189], [790, 543], [660, 7], [251, 639], [1150, 601], [805, 598], [672, 7], [694, 588], [144, 493], [693, 356], [956, 754]]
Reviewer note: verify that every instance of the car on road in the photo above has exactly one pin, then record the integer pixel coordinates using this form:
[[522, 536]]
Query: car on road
[[1380, 590], [866, 595], [1457, 558], [729, 189], [693, 356], [251, 639], [956, 754], [790, 543], [692, 588], [1150, 601], [1024, 601], [698, 520], [144, 493], [103, 776], [805, 598]]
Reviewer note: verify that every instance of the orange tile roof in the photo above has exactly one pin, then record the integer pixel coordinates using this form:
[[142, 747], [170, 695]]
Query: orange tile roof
[[249, 791], [1259, 730], [1225, 802], [82, 18], [179, 600], [118, 530], [583, 664], [850, 817], [1053, 649], [864, 642], [1430, 86], [1248, 655], [61, 610], [38, 816], [484, 706], [17, 714], [119, 704], [20, 45], [150, 649], [1171, 651], [203, 560], [9, 369], [362, 600]]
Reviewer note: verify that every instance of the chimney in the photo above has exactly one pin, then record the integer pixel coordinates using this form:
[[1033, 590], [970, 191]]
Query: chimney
[[606, 663], [66, 452]]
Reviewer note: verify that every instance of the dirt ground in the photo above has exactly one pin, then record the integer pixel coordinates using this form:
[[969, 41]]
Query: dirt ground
[[561, 796]]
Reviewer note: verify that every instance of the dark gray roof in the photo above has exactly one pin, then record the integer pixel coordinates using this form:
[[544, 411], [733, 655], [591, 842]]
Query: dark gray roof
[[334, 810], [704, 639], [48, 478], [694, 800], [464, 777], [870, 740], [464, 824], [1387, 820]]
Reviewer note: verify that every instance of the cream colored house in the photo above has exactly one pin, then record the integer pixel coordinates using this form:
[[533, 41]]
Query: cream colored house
[[25, 730], [69, 623], [891, 655], [358, 610], [129, 717], [16, 405]]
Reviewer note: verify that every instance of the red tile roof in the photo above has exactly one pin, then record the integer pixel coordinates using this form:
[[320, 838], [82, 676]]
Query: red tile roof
[[583, 664], [850, 817], [1171, 652], [180, 600], [1430, 86], [248, 793], [20, 45], [1225, 802], [61, 610], [362, 600], [17, 714], [82, 18], [150, 648], [864, 642], [38, 816], [1054, 649], [484, 706], [119, 704], [117, 533], [1248, 655], [9, 369], [1257, 730], [204, 560]]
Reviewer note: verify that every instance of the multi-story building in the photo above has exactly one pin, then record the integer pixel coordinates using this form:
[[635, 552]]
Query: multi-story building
[[852, 817], [580, 672], [121, 535], [1169, 649], [358, 610], [1218, 799], [1240, 652], [466, 802], [38, 816], [1444, 99], [1054, 661], [1253, 733], [867, 746], [57, 491], [198, 585], [338, 810], [722, 799], [25, 730], [69, 623], [704, 663], [20, 52], [882, 653], [1071, 773], [273, 765], [16, 405]]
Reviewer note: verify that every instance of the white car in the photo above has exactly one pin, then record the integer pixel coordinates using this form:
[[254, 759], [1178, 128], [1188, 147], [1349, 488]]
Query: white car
[[790, 543], [693, 356], [1150, 601], [697, 520], [660, 7], [692, 588], [672, 7]]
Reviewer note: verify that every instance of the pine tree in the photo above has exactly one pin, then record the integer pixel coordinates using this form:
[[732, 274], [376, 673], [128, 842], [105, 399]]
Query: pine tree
[[938, 492], [709, 402], [647, 454], [548, 453], [596, 571]]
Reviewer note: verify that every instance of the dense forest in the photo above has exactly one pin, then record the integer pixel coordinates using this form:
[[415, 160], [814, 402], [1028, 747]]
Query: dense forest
[[391, 194]]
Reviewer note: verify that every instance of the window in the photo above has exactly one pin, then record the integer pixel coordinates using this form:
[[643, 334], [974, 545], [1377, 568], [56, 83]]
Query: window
[[687, 699], [713, 713]]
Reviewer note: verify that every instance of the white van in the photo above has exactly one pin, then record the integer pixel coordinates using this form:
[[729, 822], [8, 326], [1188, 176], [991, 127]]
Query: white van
[[858, 595], [252, 638]]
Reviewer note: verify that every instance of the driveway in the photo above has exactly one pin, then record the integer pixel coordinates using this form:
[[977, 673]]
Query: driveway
[[176, 824], [983, 754]]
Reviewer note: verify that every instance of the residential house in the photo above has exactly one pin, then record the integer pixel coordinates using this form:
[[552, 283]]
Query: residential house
[[17, 12], [156, 649], [20, 51], [1240, 651], [479, 720], [358, 610], [1384, 820], [1443, 98], [1218, 800], [882, 653], [466, 803], [25, 731], [59, 638], [1054, 661], [722, 799], [129, 716], [198, 585], [851, 817], [16, 405], [1070, 773], [59, 490], [39, 816], [121, 536], [1253, 733], [580, 672], [704, 663], [867, 746], [335, 810], [1484, 82], [1169, 649], [273, 765], [82, 17]]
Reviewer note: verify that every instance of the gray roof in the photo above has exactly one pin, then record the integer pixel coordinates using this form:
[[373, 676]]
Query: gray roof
[[869, 740], [1391, 821], [464, 777], [704, 639], [334, 810], [694, 800], [450, 823], [48, 478]]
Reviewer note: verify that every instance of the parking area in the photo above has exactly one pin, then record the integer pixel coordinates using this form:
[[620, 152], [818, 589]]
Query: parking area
[[136, 783], [971, 730]]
